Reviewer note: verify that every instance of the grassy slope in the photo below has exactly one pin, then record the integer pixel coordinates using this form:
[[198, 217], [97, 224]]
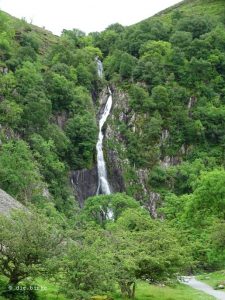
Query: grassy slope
[[213, 279], [144, 292], [46, 37], [215, 8], [197, 7], [179, 292]]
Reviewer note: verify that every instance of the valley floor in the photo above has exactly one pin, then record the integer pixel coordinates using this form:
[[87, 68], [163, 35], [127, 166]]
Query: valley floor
[[147, 291], [201, 286]]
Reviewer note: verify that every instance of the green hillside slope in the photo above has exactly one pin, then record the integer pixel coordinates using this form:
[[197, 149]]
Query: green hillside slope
[[164, 146]]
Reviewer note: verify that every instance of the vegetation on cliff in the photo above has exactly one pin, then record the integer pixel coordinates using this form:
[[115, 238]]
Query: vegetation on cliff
[[172, 69]]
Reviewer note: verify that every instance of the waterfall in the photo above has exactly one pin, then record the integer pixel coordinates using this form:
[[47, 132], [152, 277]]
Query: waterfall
[[103, 184], [99, 67]]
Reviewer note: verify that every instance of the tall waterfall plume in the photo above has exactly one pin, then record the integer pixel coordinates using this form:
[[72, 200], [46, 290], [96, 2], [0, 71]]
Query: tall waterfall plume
[[103, 184], [99, 67]]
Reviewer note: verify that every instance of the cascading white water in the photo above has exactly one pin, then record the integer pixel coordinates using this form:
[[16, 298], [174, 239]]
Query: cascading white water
[[103, 184], [99, 67]]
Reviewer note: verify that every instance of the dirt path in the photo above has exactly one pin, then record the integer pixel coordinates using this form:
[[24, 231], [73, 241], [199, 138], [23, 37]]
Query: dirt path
[[201, 286]]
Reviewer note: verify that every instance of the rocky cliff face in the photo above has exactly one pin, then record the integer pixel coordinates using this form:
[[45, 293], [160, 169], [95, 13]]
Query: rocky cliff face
[[85, 181], [122, 175], [85, 184], [7, 203]]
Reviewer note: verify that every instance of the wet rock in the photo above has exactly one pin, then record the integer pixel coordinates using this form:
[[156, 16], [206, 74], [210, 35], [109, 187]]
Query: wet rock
[[85, 184], [115, 172]]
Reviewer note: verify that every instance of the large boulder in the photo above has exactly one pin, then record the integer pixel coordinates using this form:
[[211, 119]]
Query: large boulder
[[7, 203]]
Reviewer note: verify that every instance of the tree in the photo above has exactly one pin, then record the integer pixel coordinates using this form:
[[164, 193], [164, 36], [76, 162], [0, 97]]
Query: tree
[[82, 131], [87, 265], [27, 241], [10, 113], [197, 25], [216, 252], [160, 96], [28, 78], [99, 208], [60, 91], [181, 39], [138, 97], [36, 112], [44, 152], [208, 197], [19, 173], [126, 66], [145, 249]]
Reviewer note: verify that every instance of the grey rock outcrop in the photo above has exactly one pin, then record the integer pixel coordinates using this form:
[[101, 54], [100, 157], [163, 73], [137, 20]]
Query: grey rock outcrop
[[117, 161], [85, 184], [8, 203]]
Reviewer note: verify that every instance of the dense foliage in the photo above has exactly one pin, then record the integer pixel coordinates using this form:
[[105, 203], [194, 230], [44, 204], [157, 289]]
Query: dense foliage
[[172, 69]]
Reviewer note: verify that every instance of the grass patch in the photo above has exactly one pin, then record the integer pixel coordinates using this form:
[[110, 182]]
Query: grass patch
[[212, 279], [48, 290], [146, 291]]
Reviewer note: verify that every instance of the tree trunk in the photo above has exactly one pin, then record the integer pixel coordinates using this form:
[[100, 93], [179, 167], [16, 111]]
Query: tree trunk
[[128, 289]]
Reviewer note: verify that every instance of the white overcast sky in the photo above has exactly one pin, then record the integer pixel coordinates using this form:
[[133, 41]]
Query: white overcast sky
[[86, 15]]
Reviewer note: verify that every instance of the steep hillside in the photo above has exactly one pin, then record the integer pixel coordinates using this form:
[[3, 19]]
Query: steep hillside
[[162, 214], [165, 139], [48, 124], [171, 67]]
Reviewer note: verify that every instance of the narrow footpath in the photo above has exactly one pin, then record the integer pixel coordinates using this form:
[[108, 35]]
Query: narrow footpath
[[201, 286]]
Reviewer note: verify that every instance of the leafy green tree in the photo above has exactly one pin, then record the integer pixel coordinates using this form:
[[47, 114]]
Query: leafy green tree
[[63, 69], [7, 84], [145, 249], [44, 152], [87, 266], [28, 77], [138, 98], [82, 101], [84, 76], [58, 136], [60, 91], [126, 66], [36, 112], [82, 131], [156, 48], [99, 208], [209, 196], [10, 113], [160, 96], [19, 173], [181, 39], [197, 25], [216, 251], [27, 241]]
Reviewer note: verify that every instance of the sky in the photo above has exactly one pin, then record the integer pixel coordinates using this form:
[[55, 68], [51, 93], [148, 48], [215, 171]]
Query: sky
[[86, 15]]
